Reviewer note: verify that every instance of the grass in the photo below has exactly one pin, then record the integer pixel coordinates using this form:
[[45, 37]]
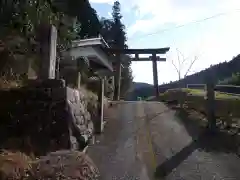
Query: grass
[[62, 164], [218, 95], [199, 92], [226, 105], [6, 83]]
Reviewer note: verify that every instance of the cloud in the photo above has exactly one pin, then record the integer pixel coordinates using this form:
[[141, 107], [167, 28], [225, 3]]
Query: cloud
[[174, 11], [214, 41], [109, 14], [153, 15]]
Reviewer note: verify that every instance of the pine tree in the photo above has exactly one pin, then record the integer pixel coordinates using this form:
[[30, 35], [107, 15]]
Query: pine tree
[[120, 39], [118, 28]]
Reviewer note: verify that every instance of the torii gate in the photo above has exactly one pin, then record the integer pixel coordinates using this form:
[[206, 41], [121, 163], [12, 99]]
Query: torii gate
[[154, 58]]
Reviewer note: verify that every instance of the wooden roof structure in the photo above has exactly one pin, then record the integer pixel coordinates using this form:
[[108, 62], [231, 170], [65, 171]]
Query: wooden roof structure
[[137, 51], [91, 50]]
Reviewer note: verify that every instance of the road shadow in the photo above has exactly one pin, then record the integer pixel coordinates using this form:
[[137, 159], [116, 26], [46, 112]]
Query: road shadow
[[203, 140], [219, 141]]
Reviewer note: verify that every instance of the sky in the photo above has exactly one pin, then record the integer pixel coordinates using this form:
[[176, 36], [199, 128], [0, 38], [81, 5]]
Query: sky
[[208, 30]]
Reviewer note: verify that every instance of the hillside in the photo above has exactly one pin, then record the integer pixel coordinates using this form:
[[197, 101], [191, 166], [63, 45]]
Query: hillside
[[138, 85], [218, 72], [139, 88]]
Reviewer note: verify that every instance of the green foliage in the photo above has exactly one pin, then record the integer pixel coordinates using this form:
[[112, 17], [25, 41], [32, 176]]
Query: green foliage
[[113, 31], [119, 33], [19, 26], [234, 80], [20, 22], [225, 105]]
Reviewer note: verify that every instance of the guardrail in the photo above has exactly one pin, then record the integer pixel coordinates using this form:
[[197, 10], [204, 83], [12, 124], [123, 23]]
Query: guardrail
[[227, 89], [196, 86], [208, 101]]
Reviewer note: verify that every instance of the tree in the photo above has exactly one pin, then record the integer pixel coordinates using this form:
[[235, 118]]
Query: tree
[[119, 33], [20, 20], [233, 80], [107, 31], [127, 79], [179, 66], [120, 40], [113, 31]]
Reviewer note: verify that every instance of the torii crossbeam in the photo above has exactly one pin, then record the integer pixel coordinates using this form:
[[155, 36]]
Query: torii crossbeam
[[154, 58]]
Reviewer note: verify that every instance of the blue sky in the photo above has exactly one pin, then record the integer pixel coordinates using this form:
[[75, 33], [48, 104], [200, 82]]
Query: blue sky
[[211, 41]]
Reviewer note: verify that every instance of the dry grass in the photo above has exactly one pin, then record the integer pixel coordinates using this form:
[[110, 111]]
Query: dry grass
[[9, 84], [91, 100], [63, 164], [14, 165], [9, 79]]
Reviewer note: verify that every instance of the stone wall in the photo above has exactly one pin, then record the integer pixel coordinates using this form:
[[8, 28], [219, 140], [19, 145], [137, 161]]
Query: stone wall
[[80, 117], [45, 116]]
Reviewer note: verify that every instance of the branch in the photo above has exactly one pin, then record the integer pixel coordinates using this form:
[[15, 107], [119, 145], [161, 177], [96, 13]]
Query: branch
[[178, 71], [180, 52], [175, 66], [194, 60], [179, 63], [184, 61], [183, 57]]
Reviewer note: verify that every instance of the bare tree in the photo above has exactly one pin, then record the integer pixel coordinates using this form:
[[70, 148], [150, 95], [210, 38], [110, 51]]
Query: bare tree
[[190, 67], [179, 69], [181, 61]]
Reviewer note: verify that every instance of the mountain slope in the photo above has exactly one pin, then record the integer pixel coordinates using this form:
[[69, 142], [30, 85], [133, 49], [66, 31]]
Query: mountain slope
[[138, 85], [217, 72], [140, 89]]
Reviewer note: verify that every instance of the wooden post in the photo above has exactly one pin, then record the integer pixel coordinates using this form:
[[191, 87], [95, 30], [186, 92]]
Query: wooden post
[[48, 43], [99, 120], [210, 105], [111, 85], [155, 75], [182, 94], [57, 71], [118, 79]]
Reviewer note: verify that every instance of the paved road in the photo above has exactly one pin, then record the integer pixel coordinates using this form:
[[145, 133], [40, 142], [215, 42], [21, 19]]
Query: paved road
[[146, 137], [117, 153]]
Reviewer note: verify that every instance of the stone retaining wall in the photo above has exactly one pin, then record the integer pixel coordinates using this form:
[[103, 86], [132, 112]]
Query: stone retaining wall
[[39, 118]]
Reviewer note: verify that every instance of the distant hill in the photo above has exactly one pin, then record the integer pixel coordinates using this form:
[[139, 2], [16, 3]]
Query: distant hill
[[218, 72], [140, 88], [138, 85]]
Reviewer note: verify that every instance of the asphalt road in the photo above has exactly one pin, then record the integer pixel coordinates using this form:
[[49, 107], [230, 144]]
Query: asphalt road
[[116, 151], [147, 140]]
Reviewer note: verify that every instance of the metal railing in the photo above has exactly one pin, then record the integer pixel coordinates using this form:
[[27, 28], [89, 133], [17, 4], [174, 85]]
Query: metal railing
[[227, 89]]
